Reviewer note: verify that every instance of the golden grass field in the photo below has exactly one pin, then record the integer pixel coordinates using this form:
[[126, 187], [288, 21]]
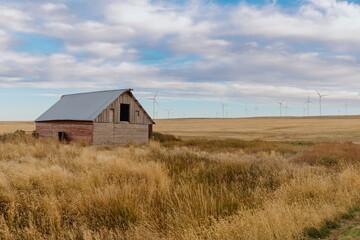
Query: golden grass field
[[10, 127], [201, 186], [272, 128]]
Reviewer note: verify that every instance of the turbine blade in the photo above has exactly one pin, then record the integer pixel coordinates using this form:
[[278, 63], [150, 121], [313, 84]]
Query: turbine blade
[[156, 102], [318, 93], [156, 94]]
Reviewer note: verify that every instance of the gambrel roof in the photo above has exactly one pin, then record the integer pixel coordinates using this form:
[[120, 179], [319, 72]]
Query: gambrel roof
[[82, 106]]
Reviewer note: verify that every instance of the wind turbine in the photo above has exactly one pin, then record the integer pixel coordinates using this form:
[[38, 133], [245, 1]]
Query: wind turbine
[[286, 108], [346, 107], [154, 102], [308, 105], [223, 108], [358, 95], [280, 104], [320, 97], [168, 111]]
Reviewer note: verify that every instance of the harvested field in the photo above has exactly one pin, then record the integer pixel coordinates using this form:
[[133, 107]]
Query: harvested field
[[286, 129], [10, 127]]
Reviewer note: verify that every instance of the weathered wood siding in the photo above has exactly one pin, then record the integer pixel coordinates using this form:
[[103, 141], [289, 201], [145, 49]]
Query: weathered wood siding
[[119, 133], [76, 131], [137, 113]]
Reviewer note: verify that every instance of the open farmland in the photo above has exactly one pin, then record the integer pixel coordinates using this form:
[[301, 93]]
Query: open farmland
[[206, 187], [272, 128], [10, 127]]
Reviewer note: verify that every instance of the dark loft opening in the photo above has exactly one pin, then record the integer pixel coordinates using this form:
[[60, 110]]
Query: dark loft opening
[[125, 112]]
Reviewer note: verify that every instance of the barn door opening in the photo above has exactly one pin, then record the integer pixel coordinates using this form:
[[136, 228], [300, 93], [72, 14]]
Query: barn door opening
[[62, 136], [124, 112]]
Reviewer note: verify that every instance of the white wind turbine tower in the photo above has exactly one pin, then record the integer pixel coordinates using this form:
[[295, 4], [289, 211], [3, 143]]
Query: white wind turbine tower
[[154, 102], [223, 108], [320, 97], [168, 112], [286, 108], [358, 95], [308, 105], [346, 107], [280, 104]]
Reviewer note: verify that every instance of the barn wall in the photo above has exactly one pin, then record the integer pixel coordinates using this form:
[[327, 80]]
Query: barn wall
[[121, 133], [76, 131], [137, 113]]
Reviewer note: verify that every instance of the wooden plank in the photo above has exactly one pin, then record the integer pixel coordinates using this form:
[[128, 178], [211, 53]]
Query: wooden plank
[[137, 114], [121, 133]]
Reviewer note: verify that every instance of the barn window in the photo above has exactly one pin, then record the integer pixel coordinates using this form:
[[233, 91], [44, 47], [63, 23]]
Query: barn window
[[124, 112]]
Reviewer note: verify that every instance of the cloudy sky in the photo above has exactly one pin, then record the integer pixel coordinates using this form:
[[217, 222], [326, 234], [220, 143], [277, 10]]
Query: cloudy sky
[[247, 54]]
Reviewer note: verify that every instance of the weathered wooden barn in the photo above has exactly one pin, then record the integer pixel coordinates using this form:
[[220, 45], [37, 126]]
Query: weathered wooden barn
[[102, 117]]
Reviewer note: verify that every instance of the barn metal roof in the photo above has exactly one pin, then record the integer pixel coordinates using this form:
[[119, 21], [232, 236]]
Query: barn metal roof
[[81, 106]]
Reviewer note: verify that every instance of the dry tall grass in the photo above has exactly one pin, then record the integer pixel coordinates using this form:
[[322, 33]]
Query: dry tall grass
[[198, 189]]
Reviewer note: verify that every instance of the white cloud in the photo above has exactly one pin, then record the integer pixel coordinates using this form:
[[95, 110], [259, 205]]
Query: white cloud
[[65, 71], [51, 7], [15, 19], [318, 20], [102, 49], [155, 18], [89, 31], [5, 40]]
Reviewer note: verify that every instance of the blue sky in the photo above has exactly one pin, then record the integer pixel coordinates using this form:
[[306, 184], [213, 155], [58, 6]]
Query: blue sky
[[246, 54]]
